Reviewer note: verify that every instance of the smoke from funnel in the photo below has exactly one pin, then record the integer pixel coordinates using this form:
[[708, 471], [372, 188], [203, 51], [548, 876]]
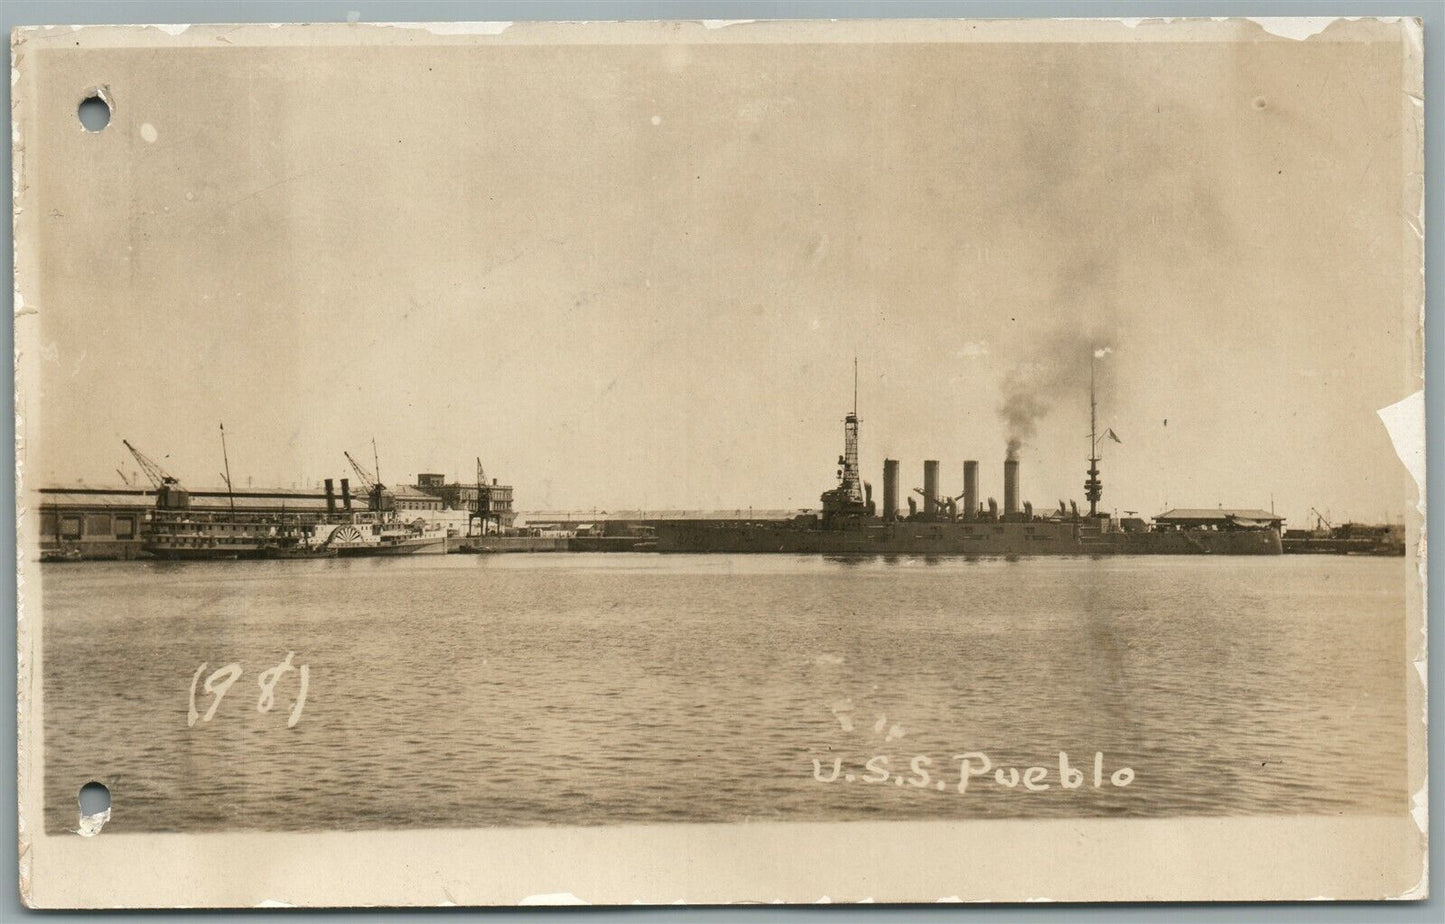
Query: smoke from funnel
[[1059, 369]]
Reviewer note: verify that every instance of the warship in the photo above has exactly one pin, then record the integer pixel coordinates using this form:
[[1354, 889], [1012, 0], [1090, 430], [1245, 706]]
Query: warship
[[849, 522]]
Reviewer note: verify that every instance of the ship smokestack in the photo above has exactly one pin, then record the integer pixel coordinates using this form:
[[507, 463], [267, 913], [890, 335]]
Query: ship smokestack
[[970, 489], [330, 498], [890, 489], [930, 488], [1010, 487], [346, 494]]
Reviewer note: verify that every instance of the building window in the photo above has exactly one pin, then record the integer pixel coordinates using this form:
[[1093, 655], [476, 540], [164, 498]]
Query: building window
[[70, 527], [97, 524], [125, 527], [47, 524]]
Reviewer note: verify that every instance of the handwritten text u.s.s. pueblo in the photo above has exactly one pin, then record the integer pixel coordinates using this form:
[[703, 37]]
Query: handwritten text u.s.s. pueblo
[[972, 772]]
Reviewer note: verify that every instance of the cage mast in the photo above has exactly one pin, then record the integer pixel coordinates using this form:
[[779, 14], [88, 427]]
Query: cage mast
[[849, 478]]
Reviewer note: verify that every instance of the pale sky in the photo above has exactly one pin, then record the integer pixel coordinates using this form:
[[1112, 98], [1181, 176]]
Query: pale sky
[[638, 275]]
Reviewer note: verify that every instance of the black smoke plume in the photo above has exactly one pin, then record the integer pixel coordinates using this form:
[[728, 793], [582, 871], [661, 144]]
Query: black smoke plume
[[1057, 369]]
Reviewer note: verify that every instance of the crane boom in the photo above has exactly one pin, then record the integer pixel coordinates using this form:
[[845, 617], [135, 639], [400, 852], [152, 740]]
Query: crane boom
[[157, 475], [367, 478]]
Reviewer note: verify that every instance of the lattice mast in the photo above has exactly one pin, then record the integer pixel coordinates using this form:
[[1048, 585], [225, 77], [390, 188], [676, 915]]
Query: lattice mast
[[850, 479]]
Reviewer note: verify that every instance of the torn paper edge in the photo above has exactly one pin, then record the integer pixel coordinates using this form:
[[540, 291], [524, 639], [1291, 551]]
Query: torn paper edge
[[24, 312], [645, 31], [90, 825], [447, 28]]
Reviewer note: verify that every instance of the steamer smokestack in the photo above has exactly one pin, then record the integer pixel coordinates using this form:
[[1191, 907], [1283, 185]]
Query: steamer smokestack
[[346, 494], [1010, 487], [930, 488], [890, 489], [330, 498], [970, 489]]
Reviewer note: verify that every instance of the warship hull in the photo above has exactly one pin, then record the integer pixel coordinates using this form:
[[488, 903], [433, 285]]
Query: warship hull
[[978, 539]]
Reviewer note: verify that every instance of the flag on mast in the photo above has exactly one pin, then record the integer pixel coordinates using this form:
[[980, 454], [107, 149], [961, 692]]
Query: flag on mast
[[1112, 435]]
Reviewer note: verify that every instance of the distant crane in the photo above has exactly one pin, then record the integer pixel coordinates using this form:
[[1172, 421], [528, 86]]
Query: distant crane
[[479, 512], [1321, 518], [367, 478], [374, 488], [157, 475]]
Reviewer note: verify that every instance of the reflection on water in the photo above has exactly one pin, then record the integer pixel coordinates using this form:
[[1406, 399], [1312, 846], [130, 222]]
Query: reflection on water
[[461, 691]]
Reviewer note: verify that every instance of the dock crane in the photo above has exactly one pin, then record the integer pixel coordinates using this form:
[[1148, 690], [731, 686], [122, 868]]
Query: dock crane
[[367, 478], [482, 510], [169, 492], [374, 488], [157, 475]]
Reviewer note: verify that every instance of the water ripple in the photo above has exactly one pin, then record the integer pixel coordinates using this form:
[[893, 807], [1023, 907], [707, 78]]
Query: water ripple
[[452, 691]]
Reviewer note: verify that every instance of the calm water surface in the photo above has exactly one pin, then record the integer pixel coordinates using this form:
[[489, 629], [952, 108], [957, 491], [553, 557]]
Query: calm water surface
[[462, 691]]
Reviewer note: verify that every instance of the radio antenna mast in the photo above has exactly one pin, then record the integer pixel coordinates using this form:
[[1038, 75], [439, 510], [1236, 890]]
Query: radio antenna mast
[[1093, 488]]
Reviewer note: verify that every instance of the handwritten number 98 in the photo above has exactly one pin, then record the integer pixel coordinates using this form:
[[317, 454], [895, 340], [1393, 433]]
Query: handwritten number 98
[[219, 683]]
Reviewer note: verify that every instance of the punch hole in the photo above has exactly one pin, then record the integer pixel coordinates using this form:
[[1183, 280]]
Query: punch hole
[[94, 801], [94, 112]]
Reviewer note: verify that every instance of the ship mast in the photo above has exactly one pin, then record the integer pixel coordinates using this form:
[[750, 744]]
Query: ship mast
[[851, 481], [1093, 487], [230, 495]]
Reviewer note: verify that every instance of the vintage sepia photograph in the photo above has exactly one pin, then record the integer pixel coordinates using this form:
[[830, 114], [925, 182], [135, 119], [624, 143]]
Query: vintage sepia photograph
[[720, 462]]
